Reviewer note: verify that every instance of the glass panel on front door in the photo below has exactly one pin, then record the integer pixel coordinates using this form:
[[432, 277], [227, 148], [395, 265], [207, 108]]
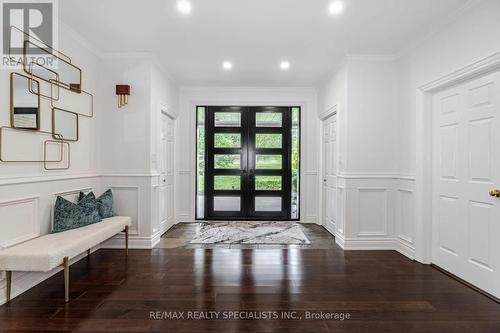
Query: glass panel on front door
[[250, 163]]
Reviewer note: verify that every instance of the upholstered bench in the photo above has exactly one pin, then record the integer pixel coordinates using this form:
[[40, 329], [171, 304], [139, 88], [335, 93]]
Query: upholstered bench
[[47, 252]]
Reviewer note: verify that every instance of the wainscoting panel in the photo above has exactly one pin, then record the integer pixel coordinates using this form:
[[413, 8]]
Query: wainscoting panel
[[372, 212], [185, 208], [405, 215], [309, 197], [20, 220], [126, 202], [72, 195], [341, 198], [26, 206], [376, 213]]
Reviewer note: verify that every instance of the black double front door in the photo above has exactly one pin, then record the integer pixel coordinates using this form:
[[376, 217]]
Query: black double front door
[[248, 163]]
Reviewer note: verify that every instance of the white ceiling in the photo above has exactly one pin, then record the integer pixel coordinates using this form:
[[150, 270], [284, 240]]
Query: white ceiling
[[254, 34]]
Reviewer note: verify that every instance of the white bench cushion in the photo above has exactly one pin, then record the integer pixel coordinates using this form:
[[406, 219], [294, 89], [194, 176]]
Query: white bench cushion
[[47, 252]]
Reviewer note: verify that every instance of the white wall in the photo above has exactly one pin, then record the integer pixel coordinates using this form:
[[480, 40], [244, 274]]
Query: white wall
[[164, 97], [333, 95], [377, 137], [130, 152], [27, 191], [190, 97], [117, 150], [371, 120], [471, 36], [364, 93]]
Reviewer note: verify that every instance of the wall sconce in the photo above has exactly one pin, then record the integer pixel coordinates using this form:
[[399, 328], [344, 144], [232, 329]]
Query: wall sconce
[[122, 92]]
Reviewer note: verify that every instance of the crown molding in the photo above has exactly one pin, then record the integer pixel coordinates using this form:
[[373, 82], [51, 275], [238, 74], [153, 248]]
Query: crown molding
[[477, 68]]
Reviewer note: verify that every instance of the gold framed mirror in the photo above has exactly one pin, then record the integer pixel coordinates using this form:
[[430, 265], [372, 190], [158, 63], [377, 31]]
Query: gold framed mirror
[[24, 102], [64, 125], [68, 75]]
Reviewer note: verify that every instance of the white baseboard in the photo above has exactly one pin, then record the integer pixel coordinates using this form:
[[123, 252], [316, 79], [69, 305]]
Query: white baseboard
[[375, 244], [372, 244], [156, 238], [330, 227], [405, 249], [184, 218], [134, 242], [340, 240]]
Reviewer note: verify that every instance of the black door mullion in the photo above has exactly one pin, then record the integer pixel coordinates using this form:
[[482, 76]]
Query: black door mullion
[[284, 172], [248, 171], [211, 172]]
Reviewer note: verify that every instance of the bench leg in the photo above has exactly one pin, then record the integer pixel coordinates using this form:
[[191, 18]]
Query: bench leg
[[88, 252], [66, 279], [126, 240], [8, 278]]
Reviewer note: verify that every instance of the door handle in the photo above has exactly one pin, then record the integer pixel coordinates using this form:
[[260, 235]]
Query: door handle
[[495, 193]]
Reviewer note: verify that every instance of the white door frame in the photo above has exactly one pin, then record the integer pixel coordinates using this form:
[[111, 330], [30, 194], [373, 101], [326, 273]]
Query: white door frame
[[423, 204], [322, 117]]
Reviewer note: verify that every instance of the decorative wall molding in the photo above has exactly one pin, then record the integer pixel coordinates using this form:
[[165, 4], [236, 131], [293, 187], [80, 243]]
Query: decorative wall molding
[[475, 69], [130, 175], [70, 192], [15, 180], [28, 212], [369, 200], [369, 216], [376, 176], [29, 179], [329, 112], [131, 208]]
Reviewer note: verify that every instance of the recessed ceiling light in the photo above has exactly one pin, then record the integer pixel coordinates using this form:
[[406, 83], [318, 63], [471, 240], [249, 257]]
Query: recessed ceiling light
[[336, 7], [227, 65], [184, 7], [285, 65]]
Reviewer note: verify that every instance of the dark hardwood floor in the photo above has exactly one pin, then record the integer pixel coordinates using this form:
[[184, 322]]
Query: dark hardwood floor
[[380, 291]]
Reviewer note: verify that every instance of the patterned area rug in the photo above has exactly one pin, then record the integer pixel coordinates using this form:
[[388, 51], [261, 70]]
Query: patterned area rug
[[250, 233]]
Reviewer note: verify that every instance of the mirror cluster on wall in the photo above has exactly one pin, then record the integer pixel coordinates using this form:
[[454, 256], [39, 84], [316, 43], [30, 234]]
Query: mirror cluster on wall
[[60, 84], [25, 101]]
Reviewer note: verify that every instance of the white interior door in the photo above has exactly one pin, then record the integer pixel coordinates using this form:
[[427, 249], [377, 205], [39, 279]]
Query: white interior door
[[466, 158], [167, 172], [329, 172]]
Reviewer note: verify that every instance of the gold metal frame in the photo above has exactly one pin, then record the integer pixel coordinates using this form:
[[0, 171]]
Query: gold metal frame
[[12, 124], [81, 91], [54, 134], [27, 42], [33, 38], [59, 139], [62, 150], [48, 81]]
